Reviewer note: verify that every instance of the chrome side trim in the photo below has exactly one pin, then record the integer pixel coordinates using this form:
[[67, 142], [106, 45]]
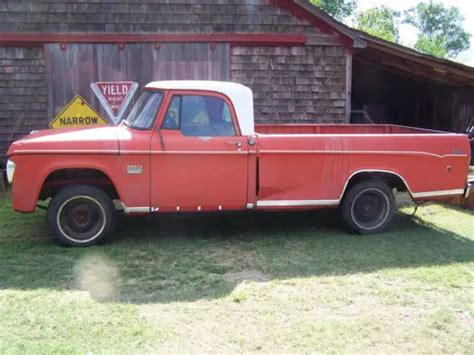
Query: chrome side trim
[[136, 209], [190, 152], [438, 193], [134, 152], [406, 135], [373, 152], [97, 151], [66, 151], [199, 152], [250, 206], [296, 203]]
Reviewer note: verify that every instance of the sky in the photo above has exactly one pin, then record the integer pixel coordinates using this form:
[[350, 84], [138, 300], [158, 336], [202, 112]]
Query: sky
[[408, 34]]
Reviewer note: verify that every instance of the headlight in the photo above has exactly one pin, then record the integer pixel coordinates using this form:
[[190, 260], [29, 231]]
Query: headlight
[[10, 171]]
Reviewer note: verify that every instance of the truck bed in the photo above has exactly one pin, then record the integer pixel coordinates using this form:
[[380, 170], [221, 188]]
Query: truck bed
[[340, 129], [315, 161]]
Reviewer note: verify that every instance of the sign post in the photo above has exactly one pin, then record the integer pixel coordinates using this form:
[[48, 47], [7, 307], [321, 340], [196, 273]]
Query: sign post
[[114, 96]]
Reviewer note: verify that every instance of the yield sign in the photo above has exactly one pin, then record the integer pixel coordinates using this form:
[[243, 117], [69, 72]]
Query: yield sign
[[114, 96]]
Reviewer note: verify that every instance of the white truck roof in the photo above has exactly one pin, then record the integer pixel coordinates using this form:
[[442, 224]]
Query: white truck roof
[[240, 95]]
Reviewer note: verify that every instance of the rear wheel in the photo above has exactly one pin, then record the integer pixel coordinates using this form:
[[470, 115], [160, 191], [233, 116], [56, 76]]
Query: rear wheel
[[81, 215], [368, 207]]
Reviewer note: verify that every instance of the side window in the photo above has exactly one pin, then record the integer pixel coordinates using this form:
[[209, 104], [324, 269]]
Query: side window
[[196, 115], [171, 120]]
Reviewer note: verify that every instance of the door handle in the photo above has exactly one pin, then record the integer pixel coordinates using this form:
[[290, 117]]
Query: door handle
[[236, 143]]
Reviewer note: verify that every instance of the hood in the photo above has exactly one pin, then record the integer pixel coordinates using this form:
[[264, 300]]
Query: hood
[[68, 140]]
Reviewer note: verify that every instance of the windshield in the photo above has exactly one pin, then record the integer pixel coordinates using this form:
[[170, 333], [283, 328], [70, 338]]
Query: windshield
[[144, 111]]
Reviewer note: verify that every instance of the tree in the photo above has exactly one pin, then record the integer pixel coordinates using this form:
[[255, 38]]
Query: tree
[[434, 46], [380, 22], [337, 8], [441, 31]]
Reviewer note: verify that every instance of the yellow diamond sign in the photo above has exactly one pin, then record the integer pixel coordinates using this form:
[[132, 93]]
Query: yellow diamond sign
[[77, 113]]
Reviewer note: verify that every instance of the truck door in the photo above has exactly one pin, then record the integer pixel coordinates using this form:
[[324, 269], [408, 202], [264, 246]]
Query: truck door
[[198, 156]]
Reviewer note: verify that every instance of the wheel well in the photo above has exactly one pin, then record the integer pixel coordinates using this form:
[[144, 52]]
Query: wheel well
[[391, 179], [66, 177]]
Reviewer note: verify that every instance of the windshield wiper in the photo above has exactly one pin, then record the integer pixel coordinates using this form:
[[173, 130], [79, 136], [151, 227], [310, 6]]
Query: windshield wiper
[[125, 123]]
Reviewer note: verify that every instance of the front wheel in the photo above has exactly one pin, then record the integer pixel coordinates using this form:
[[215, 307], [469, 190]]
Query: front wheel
[[81, 215], [368, 207]]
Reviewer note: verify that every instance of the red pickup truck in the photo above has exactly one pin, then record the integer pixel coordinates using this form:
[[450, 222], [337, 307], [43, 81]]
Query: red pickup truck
[[191, 146]]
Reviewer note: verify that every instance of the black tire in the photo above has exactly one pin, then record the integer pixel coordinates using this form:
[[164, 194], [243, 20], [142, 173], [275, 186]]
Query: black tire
[[368, 207], [81, 215]]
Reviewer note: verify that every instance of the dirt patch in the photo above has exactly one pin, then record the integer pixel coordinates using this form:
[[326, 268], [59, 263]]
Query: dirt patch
[[246, 275], [462, 202]]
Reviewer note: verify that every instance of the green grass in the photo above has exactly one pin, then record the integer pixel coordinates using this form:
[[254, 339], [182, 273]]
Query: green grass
[[261, 282]]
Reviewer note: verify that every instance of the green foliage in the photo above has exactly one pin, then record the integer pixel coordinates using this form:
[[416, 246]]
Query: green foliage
[[381, 22], [337, 8], [441, 31], [433, 46]]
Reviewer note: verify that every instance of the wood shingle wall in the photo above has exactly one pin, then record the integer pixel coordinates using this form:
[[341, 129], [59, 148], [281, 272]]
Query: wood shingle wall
[[148, 16], [298, 84], [303, 83], [22, 93]]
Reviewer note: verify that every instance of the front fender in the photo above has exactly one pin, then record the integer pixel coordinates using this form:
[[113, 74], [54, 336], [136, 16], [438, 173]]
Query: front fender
[[33, 170]]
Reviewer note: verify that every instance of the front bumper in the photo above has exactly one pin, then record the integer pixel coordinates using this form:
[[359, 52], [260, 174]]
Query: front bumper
[[469, 187], [10, 171]]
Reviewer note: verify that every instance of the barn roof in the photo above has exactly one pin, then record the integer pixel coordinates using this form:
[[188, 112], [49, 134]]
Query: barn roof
[[305, 9], [395, 57], [407, 61]]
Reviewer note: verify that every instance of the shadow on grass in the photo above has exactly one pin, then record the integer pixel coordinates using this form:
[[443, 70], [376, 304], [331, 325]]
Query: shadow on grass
[[191, 257]]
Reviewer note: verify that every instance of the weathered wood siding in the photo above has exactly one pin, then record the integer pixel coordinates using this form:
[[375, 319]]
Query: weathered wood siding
[[199, 61], [71, 71], [298, 84], [22, 94]]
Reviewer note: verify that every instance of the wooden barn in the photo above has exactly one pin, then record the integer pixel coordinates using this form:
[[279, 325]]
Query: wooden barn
[[302, 65]]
